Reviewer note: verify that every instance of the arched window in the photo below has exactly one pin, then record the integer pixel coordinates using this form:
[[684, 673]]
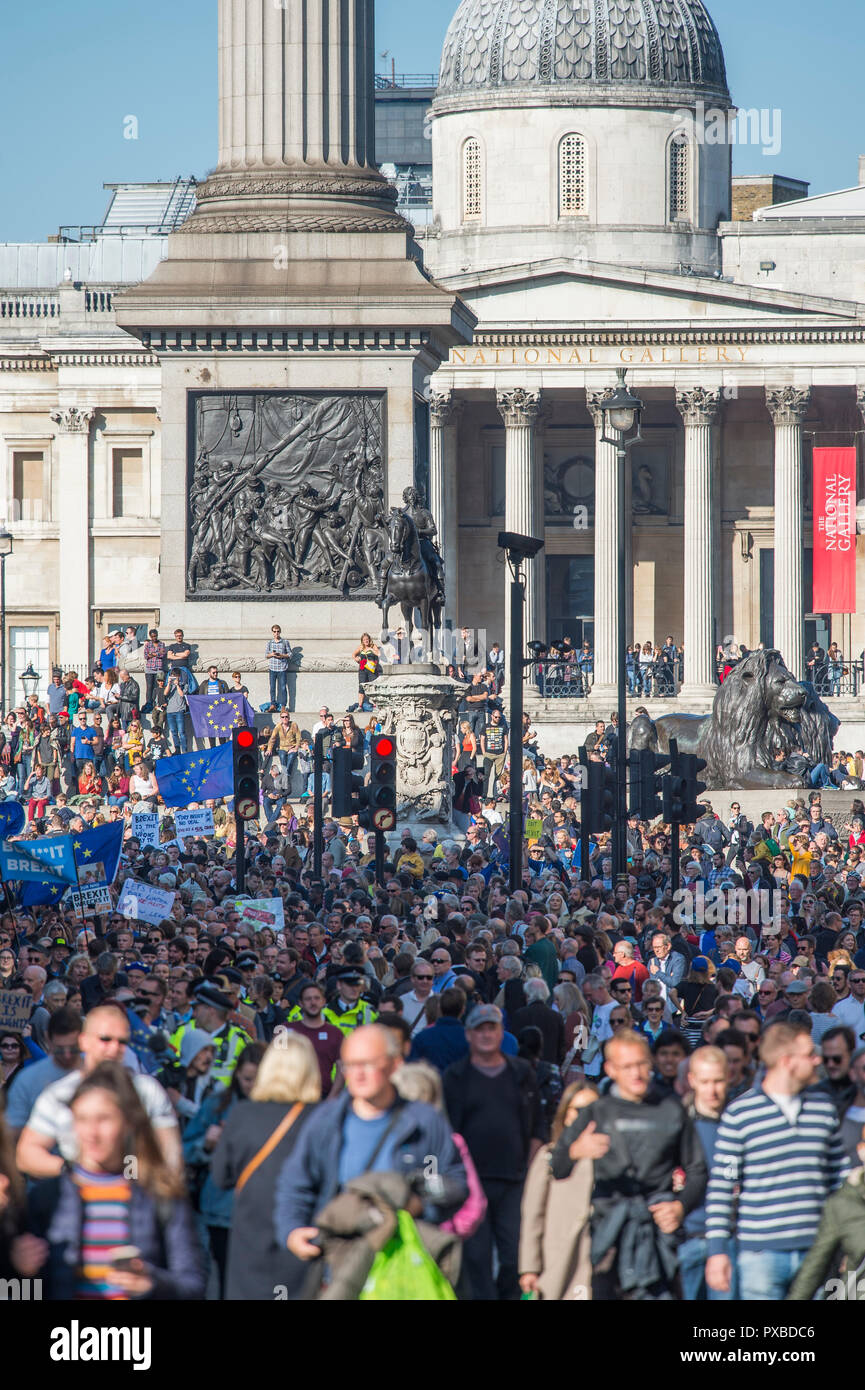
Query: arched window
[[472, 200], [572, 176], [680, 178]]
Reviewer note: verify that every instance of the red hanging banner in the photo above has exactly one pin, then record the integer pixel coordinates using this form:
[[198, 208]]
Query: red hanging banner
[[834, 531]]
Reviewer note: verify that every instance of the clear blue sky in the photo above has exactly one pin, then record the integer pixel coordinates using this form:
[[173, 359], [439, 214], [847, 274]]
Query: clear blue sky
[[72, 72]]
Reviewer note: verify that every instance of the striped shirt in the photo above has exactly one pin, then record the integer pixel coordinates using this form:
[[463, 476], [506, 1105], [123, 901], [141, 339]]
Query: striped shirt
[[105, 1207], [784, 1172]]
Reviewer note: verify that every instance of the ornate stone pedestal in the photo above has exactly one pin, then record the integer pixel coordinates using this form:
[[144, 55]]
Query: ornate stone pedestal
[[418, 708]]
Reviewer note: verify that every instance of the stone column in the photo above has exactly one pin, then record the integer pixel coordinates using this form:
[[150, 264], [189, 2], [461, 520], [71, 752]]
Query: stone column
[[445, 410], [296, 122], [788, 406], [294, 82], [607, 484], [73, 514], [545, 415], [699, 410], [519, 409]]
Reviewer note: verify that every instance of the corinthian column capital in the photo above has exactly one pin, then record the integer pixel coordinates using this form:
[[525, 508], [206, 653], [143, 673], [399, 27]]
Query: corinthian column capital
[[518, 406], [444, 408], [596, 400], [72, 420], [699, 405], [788, 405]]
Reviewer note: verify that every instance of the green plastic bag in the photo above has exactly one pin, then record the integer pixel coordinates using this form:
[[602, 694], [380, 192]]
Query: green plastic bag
[[403, 1272]]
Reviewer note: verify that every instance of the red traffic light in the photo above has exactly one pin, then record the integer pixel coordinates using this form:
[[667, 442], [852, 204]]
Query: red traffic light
[[383, 747], [245, 738]]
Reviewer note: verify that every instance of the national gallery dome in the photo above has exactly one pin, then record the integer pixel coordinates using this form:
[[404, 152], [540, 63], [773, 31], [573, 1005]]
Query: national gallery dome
[[572, 43]]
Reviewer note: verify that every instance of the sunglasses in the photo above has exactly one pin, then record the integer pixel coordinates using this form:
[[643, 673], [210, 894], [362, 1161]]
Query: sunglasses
[[422, 977]]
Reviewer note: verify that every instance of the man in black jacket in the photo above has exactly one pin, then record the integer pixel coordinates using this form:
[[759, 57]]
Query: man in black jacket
[[637, 1139], [493, 1102], [538, 1014], [130, 698]]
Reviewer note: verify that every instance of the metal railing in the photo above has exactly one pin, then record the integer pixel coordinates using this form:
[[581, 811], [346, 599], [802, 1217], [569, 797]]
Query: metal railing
[[389, 81], [833, 682], [562, 680]]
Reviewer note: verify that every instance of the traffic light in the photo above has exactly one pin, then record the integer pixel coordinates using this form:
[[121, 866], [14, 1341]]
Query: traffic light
[[381, 793], [349, 794], [674, 799], [689, 766], [598, 799], [246, 776], [647, 785]]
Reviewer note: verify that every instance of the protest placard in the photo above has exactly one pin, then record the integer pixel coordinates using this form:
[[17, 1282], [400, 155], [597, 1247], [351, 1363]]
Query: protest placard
[[92, 901], [145, 826], [256, 913], [198, 822], [144, 902], [15, 1006], [534, 828]]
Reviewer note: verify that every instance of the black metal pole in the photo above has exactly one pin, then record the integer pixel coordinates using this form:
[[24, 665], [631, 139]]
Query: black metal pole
[[240, 856], [620, 848], [379, 857], [518, 594], [318, 801], [674, 855]]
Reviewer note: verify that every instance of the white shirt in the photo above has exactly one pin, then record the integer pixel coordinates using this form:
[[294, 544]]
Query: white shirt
[[52, 1118], [850, 1012], [791, 1105], [413, 1007]]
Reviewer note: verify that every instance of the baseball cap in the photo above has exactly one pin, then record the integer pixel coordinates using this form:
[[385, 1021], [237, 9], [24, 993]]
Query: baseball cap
[[796, 987], [699, 963], [483, 1013]]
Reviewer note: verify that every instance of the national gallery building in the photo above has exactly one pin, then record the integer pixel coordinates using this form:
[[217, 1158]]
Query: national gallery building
[[581, 222]]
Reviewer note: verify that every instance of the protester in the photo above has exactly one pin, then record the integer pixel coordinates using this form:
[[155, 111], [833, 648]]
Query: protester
[[780, 1145], [99, 1207], [258, 1137]]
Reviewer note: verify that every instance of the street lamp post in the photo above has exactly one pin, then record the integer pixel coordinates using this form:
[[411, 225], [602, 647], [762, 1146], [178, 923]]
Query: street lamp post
[[30, 681], [517, 548], [622, 413], [5, 549]]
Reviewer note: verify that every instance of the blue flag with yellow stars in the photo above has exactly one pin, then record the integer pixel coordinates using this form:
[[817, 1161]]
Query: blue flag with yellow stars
[[203, 776], [217, 716], [97, 854]]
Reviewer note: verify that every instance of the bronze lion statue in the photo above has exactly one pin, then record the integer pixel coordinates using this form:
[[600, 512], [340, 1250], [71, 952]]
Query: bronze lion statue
[[760, 711]]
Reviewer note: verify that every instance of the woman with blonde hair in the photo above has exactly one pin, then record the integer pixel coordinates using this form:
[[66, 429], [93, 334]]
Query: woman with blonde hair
[[259, 1135], [555, 1256]]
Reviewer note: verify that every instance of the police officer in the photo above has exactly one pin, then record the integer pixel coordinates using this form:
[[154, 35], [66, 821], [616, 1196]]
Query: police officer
[[348, 1010], [210, 1010]]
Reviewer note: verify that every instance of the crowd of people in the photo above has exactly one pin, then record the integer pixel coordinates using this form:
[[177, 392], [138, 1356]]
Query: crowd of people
[[578, 1090]]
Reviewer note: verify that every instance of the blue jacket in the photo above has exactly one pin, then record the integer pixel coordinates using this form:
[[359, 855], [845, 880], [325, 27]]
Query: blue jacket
[[310, 1177], [164, 1232], [215, 1205], [443, 1043]]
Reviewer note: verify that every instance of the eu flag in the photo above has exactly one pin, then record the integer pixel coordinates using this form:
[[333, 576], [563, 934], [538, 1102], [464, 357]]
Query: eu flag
[[192, 777], [97, 854], [217, 716]]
